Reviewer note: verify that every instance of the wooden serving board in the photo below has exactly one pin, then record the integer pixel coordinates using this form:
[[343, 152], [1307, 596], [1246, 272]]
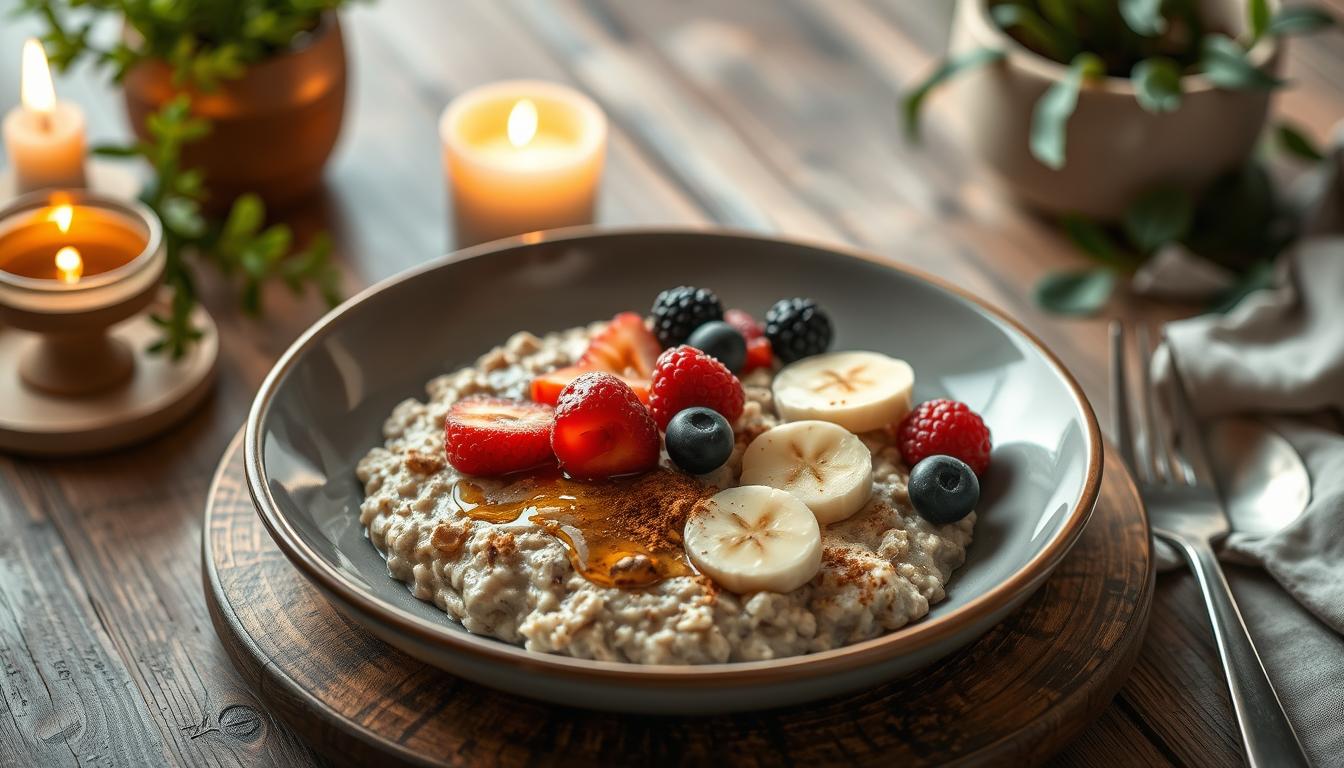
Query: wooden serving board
[[1015, 696]]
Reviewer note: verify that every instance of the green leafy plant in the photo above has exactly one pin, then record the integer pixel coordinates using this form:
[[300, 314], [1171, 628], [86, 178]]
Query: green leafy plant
[[1241, 223], [238, 246], [1154, 43], [204, 42]]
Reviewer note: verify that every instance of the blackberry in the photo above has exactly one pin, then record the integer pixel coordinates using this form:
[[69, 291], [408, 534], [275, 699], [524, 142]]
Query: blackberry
[[679, 311], [797, 328]]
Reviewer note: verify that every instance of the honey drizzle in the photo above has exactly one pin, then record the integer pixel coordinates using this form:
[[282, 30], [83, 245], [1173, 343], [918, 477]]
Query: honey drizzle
[[624, 532]]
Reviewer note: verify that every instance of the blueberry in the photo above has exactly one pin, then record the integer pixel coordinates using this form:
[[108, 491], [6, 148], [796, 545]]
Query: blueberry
[[722, 342], [699, 440], [943, 489]]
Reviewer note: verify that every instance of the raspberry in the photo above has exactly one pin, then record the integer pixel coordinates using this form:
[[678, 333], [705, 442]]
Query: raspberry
[[493, 436], [744, 323], [685, 377], [678, 311], [797, 328], [944, 427], [602, 429]]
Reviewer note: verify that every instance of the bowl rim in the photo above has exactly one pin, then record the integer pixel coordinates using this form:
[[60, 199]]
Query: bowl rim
[[912, 638]]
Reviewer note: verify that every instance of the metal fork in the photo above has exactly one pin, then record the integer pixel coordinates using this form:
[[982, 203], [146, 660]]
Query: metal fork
[[1173, 476]]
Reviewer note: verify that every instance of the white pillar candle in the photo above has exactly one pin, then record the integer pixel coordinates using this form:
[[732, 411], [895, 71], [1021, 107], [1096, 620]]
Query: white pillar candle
[[521, 156], [43, 137]]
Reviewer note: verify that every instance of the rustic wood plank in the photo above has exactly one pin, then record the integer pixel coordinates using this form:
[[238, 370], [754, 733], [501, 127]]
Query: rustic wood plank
[[693, 146], [1114, 734], [66, 698], [441, 50]]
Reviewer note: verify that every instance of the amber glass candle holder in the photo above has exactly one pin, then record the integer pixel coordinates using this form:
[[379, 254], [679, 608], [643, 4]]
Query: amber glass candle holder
[[72, 265]]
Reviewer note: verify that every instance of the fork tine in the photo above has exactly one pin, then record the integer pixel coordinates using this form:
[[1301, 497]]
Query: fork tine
[[1192, 458], [1158, 437], [1121, 428]]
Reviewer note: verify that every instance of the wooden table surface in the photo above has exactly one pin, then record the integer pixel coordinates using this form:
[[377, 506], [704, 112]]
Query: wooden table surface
[[770, 115]]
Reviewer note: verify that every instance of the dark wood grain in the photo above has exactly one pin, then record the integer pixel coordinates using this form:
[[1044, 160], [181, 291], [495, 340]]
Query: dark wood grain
[[764, 114], [1014, 697]]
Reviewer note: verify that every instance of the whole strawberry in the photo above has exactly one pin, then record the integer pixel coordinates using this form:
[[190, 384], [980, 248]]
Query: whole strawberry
[[602, 429], [944, 427], [494, 436], [685, 377]]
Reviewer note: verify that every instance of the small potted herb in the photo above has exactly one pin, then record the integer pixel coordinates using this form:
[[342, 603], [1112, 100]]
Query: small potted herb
[[1081, 106], [268, 75], [234, 103]]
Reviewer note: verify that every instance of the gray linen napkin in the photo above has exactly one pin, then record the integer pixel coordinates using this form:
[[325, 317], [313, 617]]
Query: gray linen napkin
[[1280, 355]]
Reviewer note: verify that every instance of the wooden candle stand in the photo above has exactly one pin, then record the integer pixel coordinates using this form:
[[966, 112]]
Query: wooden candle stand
[[79, 377]]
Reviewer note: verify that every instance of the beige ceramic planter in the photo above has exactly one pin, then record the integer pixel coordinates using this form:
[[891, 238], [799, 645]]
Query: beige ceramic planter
[[1115, 149]]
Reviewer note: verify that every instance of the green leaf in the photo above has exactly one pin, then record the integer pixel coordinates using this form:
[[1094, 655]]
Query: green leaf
[[1224, 62], [272, 244], [1060, 13], [1157, 84], [1055, 42], [1094, 241], [1300, 20], [1258, 276], [1050, 120], [1260, 17], [183, 216], [244, 219], [1076, 293], [1144, 16], [189, 184], [1159, 217], [112, 150], [1237, 218], [1296, 143], [946, 69]]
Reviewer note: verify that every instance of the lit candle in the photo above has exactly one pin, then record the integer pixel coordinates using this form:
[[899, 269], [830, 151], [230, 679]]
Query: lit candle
[[73, 263], [63, 242], [521, 156], [44, 137]]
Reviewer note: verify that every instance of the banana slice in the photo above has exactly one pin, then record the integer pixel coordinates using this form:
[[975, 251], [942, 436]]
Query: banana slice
[[825, 465], [860, 391], [754, 539]]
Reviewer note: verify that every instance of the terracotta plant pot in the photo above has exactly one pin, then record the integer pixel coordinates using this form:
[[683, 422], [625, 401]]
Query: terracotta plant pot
[[1115, 148], [273, 128]]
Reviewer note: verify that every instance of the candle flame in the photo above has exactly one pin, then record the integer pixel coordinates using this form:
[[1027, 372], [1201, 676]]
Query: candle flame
[[69, 264], [36, 90], [61, 215], [522, 123]]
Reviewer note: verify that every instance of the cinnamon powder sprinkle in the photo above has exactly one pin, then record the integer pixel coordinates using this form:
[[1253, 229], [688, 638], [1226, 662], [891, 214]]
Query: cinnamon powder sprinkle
[[651, 509], [845, 566]]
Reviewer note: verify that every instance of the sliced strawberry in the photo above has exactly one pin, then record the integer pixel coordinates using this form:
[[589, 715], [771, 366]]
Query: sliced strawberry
[[625, 348], [547, 387], [759, 354], [744, 323], [602, 429], [494, 436]]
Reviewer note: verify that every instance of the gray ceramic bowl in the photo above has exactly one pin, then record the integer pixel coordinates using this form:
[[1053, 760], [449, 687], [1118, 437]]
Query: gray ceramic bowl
[[323, 405]]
